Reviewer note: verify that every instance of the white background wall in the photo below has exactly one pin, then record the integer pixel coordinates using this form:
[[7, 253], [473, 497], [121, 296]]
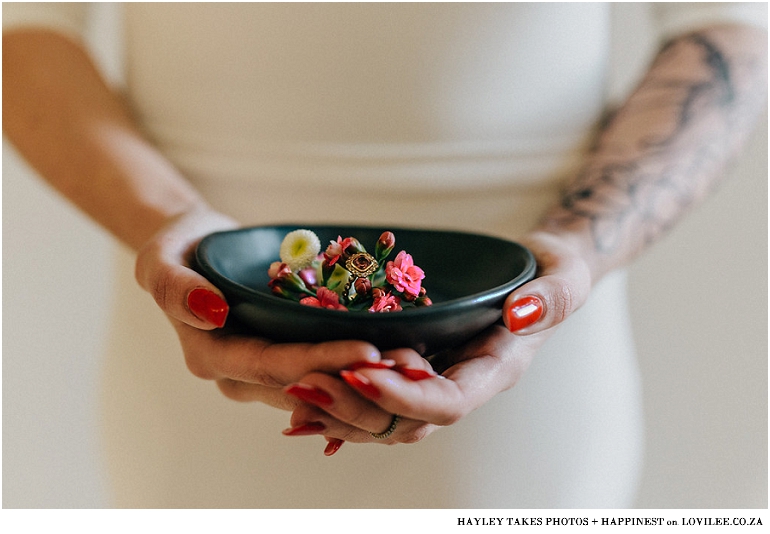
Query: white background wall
[[699, 306]]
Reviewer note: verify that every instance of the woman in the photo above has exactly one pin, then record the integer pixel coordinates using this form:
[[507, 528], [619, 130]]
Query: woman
[[280, 112]]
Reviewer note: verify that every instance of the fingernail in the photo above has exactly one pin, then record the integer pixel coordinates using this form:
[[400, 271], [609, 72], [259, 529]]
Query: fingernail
[[308, 429], [333, 446], [310, 394], [361, 384], [208, 306], [382, 364], [414, 374], [524, 312]]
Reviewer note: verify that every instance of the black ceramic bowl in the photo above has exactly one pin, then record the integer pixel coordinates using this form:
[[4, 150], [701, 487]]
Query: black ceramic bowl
[[467, 276]]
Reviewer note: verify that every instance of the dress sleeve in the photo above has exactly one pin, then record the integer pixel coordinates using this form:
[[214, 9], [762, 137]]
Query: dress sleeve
[[68, 18], [674, 18]]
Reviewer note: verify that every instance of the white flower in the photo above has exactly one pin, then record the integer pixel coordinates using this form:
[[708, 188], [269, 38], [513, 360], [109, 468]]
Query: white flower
[[299, 248]]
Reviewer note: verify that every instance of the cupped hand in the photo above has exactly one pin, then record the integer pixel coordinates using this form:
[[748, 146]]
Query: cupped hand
[[245, 368], [358, 404]]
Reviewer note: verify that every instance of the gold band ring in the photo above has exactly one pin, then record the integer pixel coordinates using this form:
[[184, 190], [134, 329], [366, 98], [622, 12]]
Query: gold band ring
[[389, 431]]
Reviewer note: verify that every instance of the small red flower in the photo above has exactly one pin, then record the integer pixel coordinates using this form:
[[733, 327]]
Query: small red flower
[[404, 275], [336, 248], [278, 270], [325, 298], [386, 303], [281, 276]]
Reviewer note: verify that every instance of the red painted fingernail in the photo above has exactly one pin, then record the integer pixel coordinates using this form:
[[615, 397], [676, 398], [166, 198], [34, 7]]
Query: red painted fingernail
[[414, 374], [310, 394], [524, 312], [333, 446], [208, 306], [361, 384], [308, 429], [382, 364]]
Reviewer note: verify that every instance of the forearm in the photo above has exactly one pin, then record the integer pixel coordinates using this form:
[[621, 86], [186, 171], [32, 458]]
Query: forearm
[[666, 147], [80, 137]]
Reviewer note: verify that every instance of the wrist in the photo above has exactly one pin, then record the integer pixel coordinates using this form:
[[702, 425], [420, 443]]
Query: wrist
[[567, 245], [190, 225], [178, 235]]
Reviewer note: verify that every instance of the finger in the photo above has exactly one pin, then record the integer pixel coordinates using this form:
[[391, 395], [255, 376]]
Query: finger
[[407, 362], [245, 392], [367, 398], [491, 364], [542, 304], [220, 354], [309, 420], [562, 286], [163, 268], [179, 291], [332, 446], [347, 415], [336, 399]]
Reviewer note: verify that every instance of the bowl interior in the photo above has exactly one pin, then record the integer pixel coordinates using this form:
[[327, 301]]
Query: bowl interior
[[457, 265]]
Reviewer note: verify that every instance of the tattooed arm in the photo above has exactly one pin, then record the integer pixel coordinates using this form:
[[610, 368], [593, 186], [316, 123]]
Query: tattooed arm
[[660, 153], [668, 146]]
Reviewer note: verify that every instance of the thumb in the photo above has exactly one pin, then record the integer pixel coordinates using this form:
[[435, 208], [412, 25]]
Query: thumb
[[181, 292], [163, 270], [561, 288]]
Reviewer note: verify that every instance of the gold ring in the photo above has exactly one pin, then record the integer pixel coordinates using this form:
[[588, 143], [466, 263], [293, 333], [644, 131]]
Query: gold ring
[[389, 431], [359, 265]]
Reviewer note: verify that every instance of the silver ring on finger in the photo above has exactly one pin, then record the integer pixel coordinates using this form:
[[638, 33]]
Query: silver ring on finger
[[389, 431]]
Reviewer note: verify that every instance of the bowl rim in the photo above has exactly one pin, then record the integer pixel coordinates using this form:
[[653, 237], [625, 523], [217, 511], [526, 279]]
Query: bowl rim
[[451, 306]]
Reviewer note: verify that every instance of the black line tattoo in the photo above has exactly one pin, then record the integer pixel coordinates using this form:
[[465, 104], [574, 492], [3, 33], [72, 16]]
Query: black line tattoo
[[646, 184]]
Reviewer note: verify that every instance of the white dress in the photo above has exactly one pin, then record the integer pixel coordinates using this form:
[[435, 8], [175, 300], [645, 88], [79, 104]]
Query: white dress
[[464, 116]]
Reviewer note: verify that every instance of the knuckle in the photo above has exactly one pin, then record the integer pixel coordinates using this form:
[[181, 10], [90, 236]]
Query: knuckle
[[567, 300], [563, 302], [263, 366], [263, 378], [240, 362], [570, 291], [161, 289], [157, 276], [253, 373], [356, 417]]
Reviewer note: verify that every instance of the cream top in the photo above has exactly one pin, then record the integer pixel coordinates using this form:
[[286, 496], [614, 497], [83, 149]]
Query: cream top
[[311, 103]]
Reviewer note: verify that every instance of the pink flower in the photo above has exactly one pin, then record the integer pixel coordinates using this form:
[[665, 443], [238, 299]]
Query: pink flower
[[336, 248], [386, 303], [308, 276], [326, 298], [404, 275], [281, 276], [278, 270]]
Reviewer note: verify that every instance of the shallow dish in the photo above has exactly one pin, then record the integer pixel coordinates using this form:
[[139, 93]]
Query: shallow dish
[[468, 277]]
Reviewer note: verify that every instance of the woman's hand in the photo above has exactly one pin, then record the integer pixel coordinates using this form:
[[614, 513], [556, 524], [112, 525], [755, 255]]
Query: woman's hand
[[659, 154], [351, 405], [245, 368]]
